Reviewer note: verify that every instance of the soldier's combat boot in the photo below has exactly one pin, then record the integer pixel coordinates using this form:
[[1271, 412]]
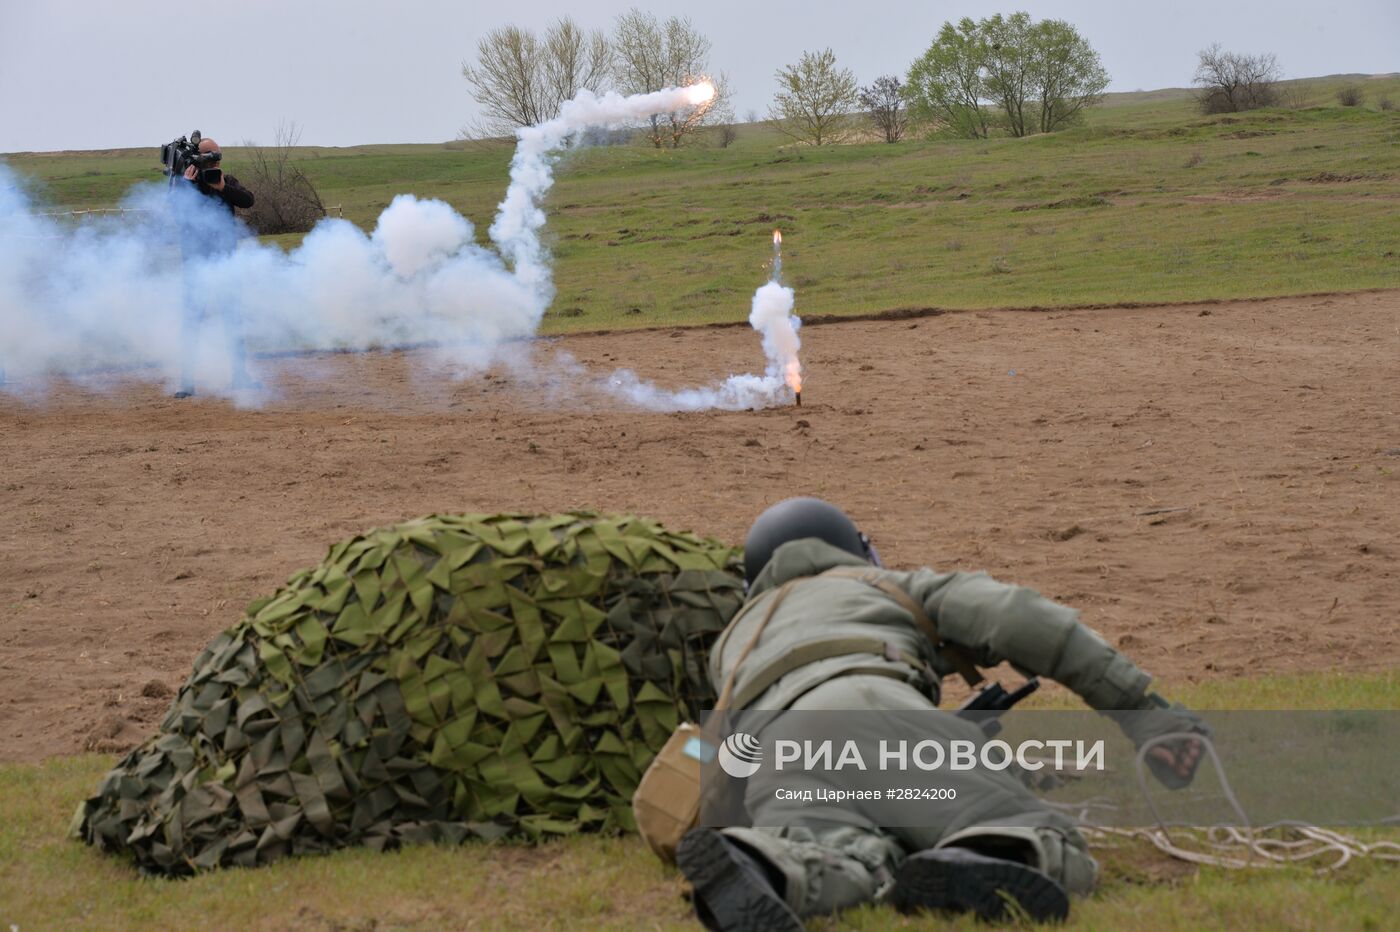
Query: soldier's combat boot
[[963, 880], [733, 891]]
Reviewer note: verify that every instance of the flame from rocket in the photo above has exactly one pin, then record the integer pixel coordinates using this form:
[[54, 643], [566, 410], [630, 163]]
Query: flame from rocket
[[785, 340]]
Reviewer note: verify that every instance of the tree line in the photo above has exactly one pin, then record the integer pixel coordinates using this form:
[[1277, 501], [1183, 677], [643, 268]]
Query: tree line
[[1007, 75], [998, 73]]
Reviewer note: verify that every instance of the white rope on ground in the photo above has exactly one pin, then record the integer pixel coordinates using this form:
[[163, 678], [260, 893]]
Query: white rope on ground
[[93, 210], [326, 211], [113, 210], [76, 213], [1218, 847], [1236, 848]]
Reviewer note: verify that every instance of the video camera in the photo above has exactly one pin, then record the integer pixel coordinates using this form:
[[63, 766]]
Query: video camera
[[176, 156]]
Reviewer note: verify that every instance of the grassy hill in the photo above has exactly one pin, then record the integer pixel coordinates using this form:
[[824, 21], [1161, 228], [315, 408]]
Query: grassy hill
[[1146, 202]]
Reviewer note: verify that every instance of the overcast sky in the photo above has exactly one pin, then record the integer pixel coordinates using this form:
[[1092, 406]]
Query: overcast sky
[[90, 74]]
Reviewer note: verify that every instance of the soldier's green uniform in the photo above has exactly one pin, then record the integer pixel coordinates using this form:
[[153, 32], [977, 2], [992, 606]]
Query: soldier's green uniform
[[828, 862]]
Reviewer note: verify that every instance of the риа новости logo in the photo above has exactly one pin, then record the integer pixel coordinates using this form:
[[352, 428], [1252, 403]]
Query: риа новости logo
[[740, 755]]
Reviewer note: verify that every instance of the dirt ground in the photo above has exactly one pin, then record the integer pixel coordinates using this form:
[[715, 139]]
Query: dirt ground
[[1217, 487]]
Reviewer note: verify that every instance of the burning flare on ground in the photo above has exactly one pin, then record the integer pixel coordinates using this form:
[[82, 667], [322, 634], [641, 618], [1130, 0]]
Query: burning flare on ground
[[771, 315], [780, 341], [792, 369]]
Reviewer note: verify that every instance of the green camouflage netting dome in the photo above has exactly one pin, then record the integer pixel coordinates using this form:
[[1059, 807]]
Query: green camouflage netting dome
[[451, 677]]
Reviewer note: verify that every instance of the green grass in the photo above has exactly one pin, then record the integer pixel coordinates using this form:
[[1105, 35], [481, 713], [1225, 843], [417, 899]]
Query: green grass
[[47, 881], [1146, 202]]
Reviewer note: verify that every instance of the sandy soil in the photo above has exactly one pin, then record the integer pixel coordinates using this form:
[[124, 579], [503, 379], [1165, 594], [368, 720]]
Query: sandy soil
[[1217, 487]]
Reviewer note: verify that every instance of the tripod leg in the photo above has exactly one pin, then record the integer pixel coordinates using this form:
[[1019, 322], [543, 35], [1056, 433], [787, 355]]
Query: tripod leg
[[189, 344]]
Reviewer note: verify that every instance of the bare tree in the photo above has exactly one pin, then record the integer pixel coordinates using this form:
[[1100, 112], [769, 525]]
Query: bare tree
[[285, 201], [521, 79], [505, 80], [651, 55], [574, 60], [885, 102], [814, 99], [728, 132], [1230, 82]]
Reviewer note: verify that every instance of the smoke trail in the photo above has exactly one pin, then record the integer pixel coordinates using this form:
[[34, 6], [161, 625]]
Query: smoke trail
[[182, 284], [520, 216], [771, 315]]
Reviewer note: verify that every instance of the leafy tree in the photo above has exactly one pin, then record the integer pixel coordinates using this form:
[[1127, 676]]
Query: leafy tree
[[1040, 76], [1065, 74], [884, 100], [1008, 42], [814, 99], [946, 83]]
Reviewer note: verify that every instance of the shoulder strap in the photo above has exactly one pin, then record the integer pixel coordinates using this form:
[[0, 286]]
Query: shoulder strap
[[718, 648], [956, 656], [724, 696]]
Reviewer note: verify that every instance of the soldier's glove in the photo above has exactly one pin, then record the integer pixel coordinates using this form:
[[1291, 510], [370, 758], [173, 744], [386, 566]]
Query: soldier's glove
[[1156, 717]]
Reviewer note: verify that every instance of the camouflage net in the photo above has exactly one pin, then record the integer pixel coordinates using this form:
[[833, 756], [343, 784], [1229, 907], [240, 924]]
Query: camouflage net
[[448, 678]]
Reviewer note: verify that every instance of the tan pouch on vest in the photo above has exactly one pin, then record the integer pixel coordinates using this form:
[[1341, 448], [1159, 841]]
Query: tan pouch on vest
[[667, 801]]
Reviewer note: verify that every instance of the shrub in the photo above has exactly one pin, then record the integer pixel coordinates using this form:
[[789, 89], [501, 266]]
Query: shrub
[[284, 199], [1351, 96]]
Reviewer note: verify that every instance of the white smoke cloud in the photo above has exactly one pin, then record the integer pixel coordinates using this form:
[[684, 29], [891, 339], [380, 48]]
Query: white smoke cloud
[[736, 393], [412, 234], [771, 315], [115, 293]]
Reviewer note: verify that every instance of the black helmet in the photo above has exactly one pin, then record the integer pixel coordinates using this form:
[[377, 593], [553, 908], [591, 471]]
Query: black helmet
[[796, 519]]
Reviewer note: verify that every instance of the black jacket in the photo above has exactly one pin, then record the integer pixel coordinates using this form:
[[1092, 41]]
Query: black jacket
[[233, 195]]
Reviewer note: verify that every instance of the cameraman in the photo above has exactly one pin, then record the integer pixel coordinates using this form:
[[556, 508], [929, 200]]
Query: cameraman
[[203, 241], [224, 187]]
